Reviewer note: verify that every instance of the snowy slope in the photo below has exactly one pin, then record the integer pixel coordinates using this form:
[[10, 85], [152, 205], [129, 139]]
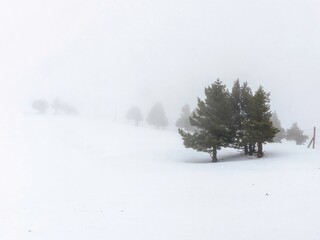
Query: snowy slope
[[77, 178]]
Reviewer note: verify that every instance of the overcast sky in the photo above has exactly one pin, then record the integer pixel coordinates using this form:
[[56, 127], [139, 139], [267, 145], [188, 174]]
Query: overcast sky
[[105, 56]]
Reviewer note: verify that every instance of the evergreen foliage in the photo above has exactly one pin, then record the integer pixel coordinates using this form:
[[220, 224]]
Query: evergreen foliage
[[259, 125], [157, 116], [238, 119], [135, 114], [241, 97], [212, 119], [237, 114], [246, 100], [184, 120], [296, 134], [276, 123]]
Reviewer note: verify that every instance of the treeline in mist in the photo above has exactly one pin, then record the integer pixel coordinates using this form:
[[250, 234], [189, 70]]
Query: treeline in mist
[[156, 116], [292, 134], [41, 106]]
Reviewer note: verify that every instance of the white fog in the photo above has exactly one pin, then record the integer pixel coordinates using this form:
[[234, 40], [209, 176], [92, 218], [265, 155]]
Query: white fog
[[83, 170], [103, 55]]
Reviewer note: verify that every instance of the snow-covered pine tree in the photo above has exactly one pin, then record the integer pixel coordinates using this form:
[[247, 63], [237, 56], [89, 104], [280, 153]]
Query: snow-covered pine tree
[[212, 119]]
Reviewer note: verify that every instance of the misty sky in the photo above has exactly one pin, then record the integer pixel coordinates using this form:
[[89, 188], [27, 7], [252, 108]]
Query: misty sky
[[105, 56]]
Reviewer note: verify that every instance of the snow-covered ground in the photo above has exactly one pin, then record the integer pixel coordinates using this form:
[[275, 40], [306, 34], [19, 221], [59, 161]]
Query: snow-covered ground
[[77, 178]]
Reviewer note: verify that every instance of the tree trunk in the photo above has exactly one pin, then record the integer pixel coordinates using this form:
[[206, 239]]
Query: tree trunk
[[213, 155], [246, 149], [260, 150], [250, 150]]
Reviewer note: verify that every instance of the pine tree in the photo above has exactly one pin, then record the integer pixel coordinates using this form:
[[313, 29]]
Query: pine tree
[[184, 121], [258, 124], [135, 114], [296, 134], [213, 122], [246, 105], [237, 118], [277, 124], [157, 116], [241, 97]]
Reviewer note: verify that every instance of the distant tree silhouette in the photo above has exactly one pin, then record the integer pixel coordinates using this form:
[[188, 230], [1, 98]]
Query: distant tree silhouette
[[277, 124], [184, 120], [157, 116], [134, 114], [296, 134], [40, 106], [62, 107]]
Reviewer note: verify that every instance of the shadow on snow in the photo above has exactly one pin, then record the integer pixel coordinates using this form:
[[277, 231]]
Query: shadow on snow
[[222, 158]]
